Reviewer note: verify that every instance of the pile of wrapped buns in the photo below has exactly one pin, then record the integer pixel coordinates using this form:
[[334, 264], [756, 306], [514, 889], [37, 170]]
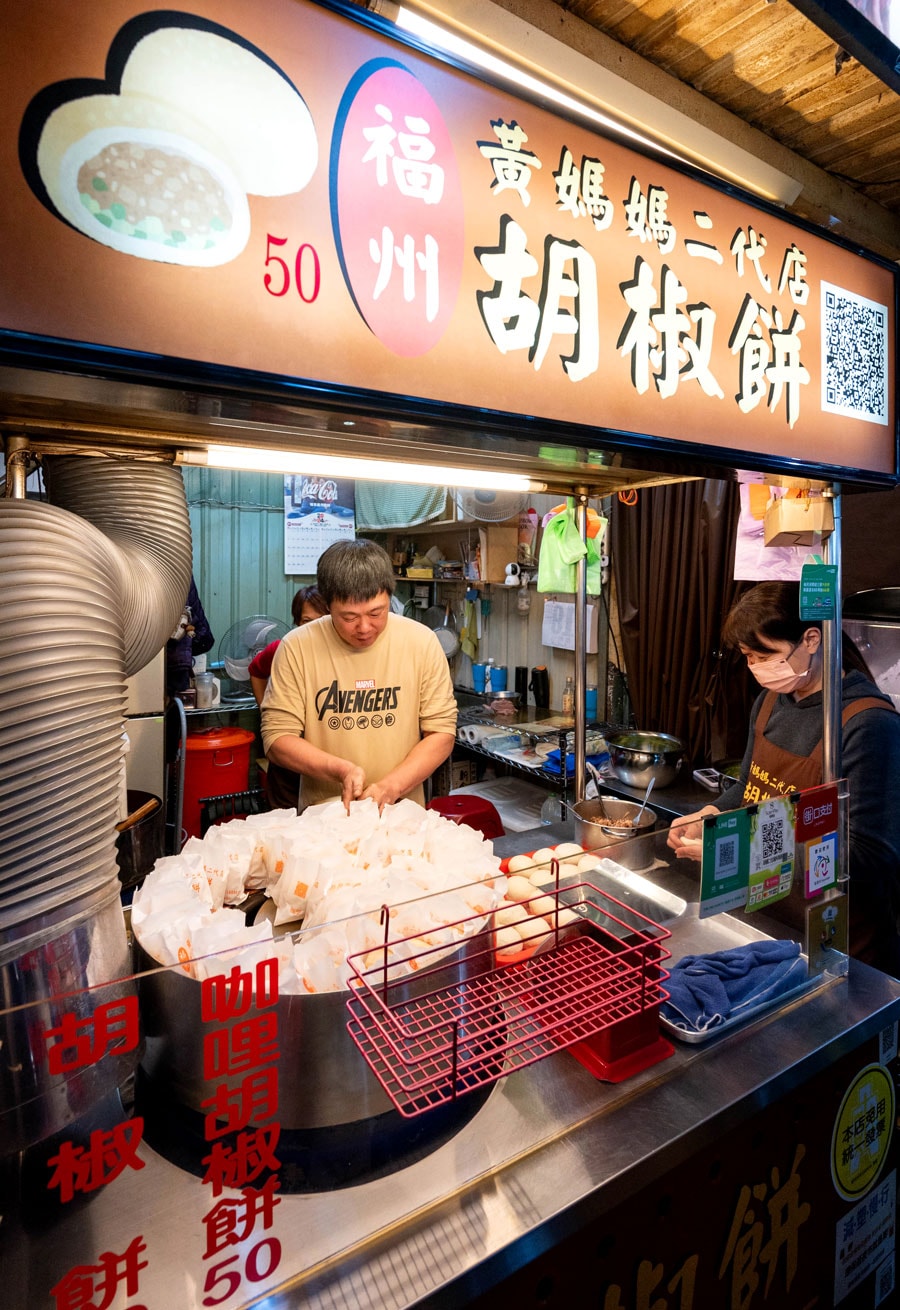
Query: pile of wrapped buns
[[329, 872]]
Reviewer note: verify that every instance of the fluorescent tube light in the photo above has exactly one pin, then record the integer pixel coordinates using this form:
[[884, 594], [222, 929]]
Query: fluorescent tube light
[[261, 459], [630, 109]]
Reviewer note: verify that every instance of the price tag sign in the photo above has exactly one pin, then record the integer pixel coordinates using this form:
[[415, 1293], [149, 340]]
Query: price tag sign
[[723, 872], [818, 590]]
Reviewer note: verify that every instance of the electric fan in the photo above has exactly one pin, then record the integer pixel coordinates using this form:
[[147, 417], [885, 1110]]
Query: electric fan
[[490, 506], [244, 640]]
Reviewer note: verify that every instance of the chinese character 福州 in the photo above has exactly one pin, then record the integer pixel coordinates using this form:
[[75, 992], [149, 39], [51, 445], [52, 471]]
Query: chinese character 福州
[[413, 170], [388, 255]]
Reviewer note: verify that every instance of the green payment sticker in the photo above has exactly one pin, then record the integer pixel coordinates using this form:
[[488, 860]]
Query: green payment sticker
[[771, 851], [818, 591], [725, 869]]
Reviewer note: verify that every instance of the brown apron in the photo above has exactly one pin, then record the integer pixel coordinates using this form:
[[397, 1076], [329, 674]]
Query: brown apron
[[778, 772]]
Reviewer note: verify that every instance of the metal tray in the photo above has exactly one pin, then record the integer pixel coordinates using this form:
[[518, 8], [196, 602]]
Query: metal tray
[[699, 1039]]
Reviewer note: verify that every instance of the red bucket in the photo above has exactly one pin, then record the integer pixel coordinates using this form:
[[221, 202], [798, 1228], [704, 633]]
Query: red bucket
[[216, 763], [473, 811]]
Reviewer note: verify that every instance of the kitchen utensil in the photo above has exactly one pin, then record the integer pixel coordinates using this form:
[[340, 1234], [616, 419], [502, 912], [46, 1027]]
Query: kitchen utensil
[[636, 757], [510, 696], [540, 686], [447, 634], [650, 785], [592, 830]]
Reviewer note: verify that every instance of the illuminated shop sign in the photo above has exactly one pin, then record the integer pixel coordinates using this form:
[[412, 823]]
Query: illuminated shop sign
[[284, 189]]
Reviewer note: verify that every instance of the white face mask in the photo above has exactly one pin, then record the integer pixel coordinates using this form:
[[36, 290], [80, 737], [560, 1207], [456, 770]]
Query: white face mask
[[780, 675]]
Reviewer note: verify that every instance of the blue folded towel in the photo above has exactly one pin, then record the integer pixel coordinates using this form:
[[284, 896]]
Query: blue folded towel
[[551, 764], [706, 990]]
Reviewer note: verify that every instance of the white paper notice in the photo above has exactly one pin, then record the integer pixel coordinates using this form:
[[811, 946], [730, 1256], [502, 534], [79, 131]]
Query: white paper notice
[[558, 627]]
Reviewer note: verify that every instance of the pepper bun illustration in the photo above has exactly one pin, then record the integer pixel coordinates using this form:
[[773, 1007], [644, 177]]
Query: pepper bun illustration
[[158, 159]]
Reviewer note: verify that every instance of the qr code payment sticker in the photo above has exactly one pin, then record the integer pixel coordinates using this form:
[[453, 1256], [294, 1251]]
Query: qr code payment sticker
[[854, 355]]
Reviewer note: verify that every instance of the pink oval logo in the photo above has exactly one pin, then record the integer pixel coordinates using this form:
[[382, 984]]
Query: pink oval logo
[[397, 208]]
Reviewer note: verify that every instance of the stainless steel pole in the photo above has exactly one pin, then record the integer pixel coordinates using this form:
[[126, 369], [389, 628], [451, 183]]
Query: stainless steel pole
[[580, 647], [831, 655]]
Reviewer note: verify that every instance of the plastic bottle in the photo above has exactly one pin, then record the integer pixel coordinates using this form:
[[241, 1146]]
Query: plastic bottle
[[568, 697]]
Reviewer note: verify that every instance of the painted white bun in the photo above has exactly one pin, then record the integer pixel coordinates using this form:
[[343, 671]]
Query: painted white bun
[[253, 109], [519, 863], [162, 170], [519, 888]]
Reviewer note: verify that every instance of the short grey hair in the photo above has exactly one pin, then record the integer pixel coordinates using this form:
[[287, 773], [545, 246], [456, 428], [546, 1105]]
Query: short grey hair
[[356, 570]]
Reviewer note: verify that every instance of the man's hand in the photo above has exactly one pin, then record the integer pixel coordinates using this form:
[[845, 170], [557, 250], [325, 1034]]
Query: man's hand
[[352, 785], [380, 792]]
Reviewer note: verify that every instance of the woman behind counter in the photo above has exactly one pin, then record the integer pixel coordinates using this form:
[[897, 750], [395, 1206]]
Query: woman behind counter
[[784, 654], [283, 785]]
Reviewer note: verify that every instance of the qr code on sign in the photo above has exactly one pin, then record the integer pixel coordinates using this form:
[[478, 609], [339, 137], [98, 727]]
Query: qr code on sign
[[770, 837], [854, 355]]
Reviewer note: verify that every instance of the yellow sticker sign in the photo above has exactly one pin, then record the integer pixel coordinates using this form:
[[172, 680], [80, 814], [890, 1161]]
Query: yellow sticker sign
[[862, 1132]]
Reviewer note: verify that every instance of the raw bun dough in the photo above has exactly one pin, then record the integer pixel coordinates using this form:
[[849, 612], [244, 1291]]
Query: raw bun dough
[[507, 941], [589, 862], [507, 916], [545, 906], [543, 877], [569, 852], [519, 889], [543, 856], [519, 863]]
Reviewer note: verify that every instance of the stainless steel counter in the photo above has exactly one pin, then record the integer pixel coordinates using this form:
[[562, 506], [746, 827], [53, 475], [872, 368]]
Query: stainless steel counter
[[551, 1148]]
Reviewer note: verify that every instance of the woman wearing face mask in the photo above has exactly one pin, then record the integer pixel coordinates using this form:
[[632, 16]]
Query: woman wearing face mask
[[784, 754]]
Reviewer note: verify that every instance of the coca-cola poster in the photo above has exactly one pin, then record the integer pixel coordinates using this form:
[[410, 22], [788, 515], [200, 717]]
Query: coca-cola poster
[[318, 510]]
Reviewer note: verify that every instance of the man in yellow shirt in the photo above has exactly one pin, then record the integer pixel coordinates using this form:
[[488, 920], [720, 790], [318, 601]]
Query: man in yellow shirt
[[360, 702]]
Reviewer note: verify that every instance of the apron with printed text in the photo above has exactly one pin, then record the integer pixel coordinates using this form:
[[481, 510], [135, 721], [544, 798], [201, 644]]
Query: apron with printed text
[[774, 772]]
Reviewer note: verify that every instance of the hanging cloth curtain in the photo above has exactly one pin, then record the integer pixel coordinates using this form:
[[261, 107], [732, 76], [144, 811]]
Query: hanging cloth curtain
[[672, 556]]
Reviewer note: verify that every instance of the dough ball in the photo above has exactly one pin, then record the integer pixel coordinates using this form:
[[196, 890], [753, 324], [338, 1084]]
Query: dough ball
[[507, 941], [569, 852], [567, 917], [519, 889], [543, 906], [543, 878], [543, 856], [589, 862], [507, 916], [519, 863]]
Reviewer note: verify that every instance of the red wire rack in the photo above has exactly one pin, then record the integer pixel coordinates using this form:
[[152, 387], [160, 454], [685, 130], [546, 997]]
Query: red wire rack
[[442, 1028]]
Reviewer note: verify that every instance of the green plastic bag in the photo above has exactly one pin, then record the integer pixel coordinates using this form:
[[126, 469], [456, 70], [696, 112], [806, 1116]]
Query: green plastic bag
[[561, 548]]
